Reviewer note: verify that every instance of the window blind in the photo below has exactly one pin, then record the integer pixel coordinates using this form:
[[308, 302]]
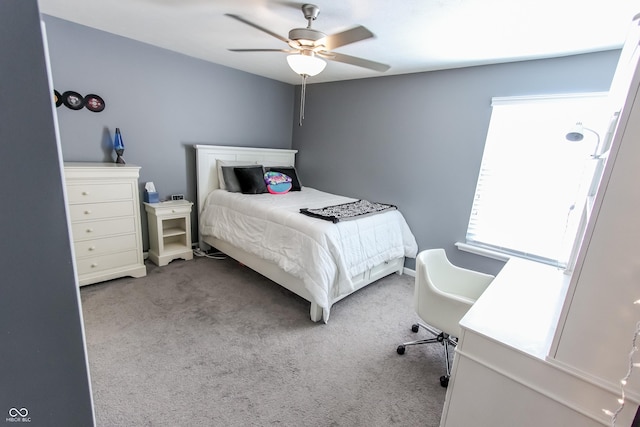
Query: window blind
[[532, 182]]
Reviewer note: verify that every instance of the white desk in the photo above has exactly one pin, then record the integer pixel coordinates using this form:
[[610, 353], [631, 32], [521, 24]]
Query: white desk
[[521, 307], [501, 375]]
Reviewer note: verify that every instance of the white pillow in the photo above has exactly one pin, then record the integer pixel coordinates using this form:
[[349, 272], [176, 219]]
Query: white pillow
[[220, 163]]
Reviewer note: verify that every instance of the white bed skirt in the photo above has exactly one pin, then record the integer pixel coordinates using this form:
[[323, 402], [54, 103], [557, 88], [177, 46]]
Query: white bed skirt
[[296, 285]]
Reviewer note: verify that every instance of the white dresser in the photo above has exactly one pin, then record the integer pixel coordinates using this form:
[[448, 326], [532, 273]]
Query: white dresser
[[104, 209]]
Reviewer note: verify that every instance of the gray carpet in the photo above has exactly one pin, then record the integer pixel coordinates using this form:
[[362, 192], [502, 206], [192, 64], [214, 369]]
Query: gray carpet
[[211, 343]]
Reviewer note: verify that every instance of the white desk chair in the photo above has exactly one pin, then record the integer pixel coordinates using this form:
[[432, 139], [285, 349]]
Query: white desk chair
[[443, 295]]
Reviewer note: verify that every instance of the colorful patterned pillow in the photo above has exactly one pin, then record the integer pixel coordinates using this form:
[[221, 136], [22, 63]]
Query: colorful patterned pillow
[[277, 182], [290, 171]]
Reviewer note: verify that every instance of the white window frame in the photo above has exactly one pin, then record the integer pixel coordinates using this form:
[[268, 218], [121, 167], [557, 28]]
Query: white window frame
[[577, 217]]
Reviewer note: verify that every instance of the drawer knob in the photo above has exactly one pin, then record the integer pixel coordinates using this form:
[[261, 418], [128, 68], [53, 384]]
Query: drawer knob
[[85, 193], [89, 230], [173, 211], [94, 265], [87, 212], [92, 248]]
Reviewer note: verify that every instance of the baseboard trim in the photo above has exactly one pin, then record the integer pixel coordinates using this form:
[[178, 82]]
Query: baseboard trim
[[409, 272]]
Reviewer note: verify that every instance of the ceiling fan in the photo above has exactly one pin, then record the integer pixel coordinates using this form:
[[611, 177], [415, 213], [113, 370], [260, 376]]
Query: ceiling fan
[[309, 42], [308, 46]]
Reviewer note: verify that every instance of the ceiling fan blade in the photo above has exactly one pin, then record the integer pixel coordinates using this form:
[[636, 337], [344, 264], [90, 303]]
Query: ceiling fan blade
[[353, 35], [257, 27], [263, 50], [352, 60]]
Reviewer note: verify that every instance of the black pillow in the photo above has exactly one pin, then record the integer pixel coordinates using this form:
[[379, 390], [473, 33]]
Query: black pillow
[[251, 180], [231, 183], [290, 171]]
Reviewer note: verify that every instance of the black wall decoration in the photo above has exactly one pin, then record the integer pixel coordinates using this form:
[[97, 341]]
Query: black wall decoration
[[75, 101], [57, 98], [94, 103]]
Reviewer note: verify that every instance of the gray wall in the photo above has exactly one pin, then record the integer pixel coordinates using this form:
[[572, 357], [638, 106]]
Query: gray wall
[[163, 103], [42, 356], [414, 140], [417, 140]]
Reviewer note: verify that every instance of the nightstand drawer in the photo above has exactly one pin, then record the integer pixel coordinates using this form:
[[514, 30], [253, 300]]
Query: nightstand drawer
[[106, 245], [108, 227], [167, 209], [90, 211], [90, 192], [105, 262]]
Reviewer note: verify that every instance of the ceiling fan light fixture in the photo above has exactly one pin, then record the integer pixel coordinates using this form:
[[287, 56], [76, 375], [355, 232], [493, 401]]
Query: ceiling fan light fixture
[[311, 44], [306, 65]]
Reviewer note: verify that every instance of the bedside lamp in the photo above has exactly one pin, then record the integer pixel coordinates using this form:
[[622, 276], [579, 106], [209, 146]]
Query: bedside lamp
[[118, 147]]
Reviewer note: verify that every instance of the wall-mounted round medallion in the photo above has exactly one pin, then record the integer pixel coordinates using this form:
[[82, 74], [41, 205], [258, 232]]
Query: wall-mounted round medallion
[[57, 98], [94, 103], [73, 100]]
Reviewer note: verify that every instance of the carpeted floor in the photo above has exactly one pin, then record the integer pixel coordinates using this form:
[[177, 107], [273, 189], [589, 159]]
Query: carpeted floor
[[212, 343]]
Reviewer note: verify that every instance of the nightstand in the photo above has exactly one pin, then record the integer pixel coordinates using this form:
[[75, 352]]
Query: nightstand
[[169, 231]]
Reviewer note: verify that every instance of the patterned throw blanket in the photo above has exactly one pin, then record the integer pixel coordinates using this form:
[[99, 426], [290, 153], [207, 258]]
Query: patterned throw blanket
[[346, 211]]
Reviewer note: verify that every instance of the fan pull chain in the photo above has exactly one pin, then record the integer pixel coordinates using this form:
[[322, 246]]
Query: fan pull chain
[[303, 94]]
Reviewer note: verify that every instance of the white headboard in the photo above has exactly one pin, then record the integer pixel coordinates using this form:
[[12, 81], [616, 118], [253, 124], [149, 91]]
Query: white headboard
[[206, 156]]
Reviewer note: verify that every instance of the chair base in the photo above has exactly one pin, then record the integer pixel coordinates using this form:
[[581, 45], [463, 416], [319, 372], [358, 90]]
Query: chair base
[[440, 337]]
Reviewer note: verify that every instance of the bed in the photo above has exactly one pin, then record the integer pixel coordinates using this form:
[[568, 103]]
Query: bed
[[321, 261]]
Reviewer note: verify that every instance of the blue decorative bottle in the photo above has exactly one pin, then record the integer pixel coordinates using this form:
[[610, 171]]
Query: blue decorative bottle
[[118, 146]]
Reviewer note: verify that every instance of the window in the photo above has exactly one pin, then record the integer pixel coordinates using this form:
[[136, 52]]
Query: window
[[534, 184]]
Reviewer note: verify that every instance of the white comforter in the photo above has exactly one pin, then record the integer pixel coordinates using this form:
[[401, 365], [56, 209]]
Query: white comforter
[[324, 255]]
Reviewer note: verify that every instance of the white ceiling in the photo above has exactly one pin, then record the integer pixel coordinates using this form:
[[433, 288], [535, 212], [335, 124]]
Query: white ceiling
[[411, 35]]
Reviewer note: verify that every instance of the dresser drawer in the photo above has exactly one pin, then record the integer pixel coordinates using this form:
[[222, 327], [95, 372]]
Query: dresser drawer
[[106, 262], [103, 228], [91, 211], [85, 248], [93, 192]]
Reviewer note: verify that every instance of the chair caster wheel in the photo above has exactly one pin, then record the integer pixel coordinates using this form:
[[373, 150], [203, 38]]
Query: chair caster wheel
[[400, 349], [444, 381], [414, 328]]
